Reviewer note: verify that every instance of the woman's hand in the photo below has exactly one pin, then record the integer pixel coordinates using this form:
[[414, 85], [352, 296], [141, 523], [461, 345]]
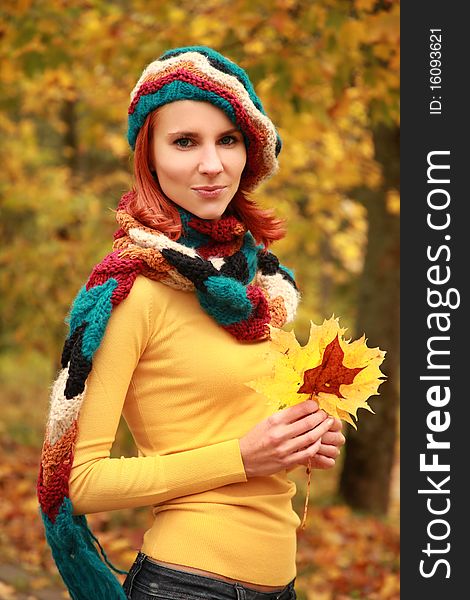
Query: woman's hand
[[289, 438], [331, 443]]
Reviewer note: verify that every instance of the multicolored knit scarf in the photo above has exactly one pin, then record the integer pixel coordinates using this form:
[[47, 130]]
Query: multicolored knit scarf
[[240, 285]]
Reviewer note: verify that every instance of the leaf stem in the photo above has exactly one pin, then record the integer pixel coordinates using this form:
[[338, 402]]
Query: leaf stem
[[304, 517], [307, 496]]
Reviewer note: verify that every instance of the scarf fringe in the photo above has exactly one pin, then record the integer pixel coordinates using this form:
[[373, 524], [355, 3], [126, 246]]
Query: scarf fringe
[[78, 561]]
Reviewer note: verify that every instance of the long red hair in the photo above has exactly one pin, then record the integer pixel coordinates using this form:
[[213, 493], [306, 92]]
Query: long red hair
[[150, 206]]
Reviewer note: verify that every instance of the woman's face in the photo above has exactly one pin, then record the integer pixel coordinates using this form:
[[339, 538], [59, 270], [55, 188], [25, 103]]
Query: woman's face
[[196, 148]]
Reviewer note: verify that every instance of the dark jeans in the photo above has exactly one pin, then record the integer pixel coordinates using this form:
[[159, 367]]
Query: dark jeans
[[148, 581]]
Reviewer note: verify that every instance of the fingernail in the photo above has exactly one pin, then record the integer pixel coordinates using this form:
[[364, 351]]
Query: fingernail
[[330, 421]]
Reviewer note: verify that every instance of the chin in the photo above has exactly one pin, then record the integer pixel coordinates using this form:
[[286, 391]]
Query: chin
[[208, 213], [210, 216]]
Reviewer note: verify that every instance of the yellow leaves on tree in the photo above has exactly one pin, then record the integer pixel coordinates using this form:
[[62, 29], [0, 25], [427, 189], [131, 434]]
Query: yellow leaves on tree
[[340, 374]]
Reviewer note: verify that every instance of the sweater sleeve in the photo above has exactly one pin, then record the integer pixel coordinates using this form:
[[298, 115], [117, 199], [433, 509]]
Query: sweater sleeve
[[101, 483]]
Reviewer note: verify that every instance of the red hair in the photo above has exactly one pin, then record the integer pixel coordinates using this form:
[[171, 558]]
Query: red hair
[[149, 205]]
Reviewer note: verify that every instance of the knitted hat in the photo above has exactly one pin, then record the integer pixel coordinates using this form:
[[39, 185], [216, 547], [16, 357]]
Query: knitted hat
[[200, 73]]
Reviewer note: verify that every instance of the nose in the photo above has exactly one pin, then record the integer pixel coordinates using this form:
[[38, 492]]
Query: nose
[[210, 163]]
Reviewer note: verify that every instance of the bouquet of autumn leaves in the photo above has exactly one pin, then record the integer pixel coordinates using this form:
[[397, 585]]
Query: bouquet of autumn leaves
[[339, 374]]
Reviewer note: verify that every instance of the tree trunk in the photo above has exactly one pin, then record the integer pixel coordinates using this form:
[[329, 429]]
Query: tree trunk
[[369, 454], [70, 138], [325, 284]]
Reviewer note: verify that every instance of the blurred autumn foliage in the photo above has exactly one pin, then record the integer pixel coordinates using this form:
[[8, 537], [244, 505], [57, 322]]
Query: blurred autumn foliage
[[328, 75]]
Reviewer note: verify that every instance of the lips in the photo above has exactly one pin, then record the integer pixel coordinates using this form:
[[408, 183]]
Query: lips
[[209, 188], [209, 191]]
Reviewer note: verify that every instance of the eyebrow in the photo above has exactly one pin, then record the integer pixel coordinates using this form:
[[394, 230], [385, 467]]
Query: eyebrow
[[196, 134]]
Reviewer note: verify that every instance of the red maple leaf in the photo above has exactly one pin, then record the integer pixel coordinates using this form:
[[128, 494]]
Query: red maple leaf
[[328, 376]]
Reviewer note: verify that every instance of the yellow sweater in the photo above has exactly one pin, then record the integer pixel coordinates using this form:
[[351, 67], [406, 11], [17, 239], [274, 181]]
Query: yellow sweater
[[178, 378]]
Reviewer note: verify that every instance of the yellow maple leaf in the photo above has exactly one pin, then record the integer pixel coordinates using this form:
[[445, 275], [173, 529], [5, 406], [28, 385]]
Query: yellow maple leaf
[[339, 374]]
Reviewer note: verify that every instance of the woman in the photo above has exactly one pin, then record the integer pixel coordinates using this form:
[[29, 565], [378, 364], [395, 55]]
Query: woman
[[168, 330]]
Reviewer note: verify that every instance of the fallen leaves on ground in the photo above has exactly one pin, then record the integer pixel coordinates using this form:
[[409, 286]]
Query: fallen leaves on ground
[[22, 539], [341, 555]]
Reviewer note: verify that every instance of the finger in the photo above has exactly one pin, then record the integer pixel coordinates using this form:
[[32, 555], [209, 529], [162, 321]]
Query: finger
[[328, 451], [302, 457], [309, 439], [322, 462], [337, 425], [334, 438], [298, 411], [307, 423]]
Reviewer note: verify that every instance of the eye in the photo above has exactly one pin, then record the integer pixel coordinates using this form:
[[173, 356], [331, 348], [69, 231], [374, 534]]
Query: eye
[[230, 138], [182, 142]]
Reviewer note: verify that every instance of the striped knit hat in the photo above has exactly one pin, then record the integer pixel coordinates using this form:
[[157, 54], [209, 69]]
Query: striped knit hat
[[200, 73]]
